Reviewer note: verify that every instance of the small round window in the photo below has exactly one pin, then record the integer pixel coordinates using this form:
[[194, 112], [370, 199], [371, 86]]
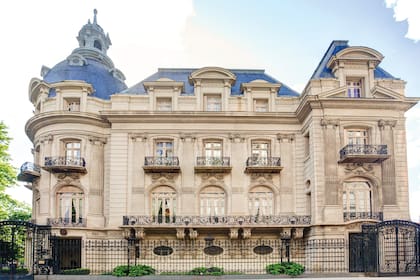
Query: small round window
[[213, 250], [163, 251], [263, 250]]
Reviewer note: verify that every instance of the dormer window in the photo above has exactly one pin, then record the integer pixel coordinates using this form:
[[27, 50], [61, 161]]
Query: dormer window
[[72, 104], [97, 45], [261, 105], [354, 88], [164, 104], [213, 102]]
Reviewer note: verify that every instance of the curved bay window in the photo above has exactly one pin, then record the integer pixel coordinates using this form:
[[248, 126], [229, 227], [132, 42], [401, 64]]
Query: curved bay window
[[163, 204], [212, 202], [260, 201], [357, 200], [70, 205]]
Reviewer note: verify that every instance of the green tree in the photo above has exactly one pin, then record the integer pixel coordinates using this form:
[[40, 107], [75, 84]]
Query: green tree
[[7, 171]]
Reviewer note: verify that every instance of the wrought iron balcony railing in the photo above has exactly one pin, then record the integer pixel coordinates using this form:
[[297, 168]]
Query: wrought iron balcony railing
[[66, 222], [213, 164], [217, 221], [65, 164], [161, 164], [351, 216], [263, 164], [28, 172], [364, 153]]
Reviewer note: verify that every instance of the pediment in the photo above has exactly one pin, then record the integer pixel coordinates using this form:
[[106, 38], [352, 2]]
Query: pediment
[[359, 53], [337, 92], [212, 73], [385, 93]]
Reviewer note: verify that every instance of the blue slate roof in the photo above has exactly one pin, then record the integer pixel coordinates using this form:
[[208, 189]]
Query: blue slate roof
[[182, 75], [322, 71], [95, 73]]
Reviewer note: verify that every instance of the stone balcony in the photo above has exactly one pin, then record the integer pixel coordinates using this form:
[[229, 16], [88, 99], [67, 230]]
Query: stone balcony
[[213, 165], [65, 164], [29, 172], [263, 165], [272, 221], [161, 164], [363, 154]]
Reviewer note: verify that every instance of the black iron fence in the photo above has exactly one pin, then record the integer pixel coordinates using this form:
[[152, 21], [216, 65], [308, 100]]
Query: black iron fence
[[242, 256], [213, 161], [161, 161], [263, 161], [363, 150]]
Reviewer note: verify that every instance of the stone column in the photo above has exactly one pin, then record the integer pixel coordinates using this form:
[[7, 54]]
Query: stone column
[[187, 163], [389, 194], [332, 208], [137, 182], [287, 181], [238, 158], [47, 198]]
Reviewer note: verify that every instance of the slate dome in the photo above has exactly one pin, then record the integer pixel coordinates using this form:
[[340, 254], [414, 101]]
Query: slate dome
[[89, 63]]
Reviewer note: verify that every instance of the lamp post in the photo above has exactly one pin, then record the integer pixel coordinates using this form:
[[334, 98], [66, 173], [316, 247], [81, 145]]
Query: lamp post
[[131, 238]]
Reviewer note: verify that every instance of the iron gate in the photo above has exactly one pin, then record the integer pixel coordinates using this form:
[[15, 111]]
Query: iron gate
[[388, 248], [398, 243], [24, 247]]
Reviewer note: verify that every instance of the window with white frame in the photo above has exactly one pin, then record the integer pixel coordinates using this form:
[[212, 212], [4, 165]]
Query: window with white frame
[[213, 102], [212, 202], [70, 205], [164, 104], [163, 204], [213, 149], [164, 148], [261, 105], [72, 104], [357, 197], [357, 136], [260, 201], [354, 88], [72, 150], [260, 149]]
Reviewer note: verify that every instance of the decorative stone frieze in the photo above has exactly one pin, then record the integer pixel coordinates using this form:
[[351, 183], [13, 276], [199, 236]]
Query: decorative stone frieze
[[358, 168], [382, 124], [330, 123]]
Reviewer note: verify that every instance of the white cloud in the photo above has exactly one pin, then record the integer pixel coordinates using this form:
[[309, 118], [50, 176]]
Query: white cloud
[[407, 10]]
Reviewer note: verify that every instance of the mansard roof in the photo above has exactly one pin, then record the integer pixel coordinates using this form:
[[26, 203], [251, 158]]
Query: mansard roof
[[184, 75]]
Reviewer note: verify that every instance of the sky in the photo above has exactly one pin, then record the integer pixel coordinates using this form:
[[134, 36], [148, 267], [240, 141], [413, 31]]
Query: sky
[[287, 38]]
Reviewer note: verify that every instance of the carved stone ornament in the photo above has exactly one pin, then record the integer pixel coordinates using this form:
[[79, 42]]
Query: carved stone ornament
[[233, 234], [97, 140], [334, 123], [261, 178], [387, 123], [246, 233], [286, 233], [285, 137], [140, 233], [187, 137], [358, 168], [298, 233], [46, 139], [193, 234], [71, 178], [180, 233], [138, 136], [163, 177], [236, 137]]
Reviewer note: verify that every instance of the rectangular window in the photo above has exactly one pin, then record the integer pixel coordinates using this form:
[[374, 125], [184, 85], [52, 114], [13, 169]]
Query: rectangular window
[[72, 104], [354, 88], [357, 137], [260, 149], [261, 105], [213, 102], [213, 149], [164, 148], [73, 150], [164, 104]]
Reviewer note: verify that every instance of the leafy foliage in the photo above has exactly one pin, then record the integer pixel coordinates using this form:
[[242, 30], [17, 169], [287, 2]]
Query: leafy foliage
[[215, 271], [19, 270], [76, 271], [7, 171], [288, 268], [133, 270]]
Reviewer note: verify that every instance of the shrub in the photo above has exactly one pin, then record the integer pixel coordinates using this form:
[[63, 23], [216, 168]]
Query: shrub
[[214, 271], [288, 268], [19, 270], [133, 270], [76, 271]]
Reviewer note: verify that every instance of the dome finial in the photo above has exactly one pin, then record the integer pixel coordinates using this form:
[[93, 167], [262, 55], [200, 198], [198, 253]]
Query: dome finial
[[95, 12]]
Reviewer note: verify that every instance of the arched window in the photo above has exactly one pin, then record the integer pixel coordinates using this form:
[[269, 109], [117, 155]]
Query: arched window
[[357, 197], [163, 204], [70, 205], [212, 202], [261, 201], [97, 44]]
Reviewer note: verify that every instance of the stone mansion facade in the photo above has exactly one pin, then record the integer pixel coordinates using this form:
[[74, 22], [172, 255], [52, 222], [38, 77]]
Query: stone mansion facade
[[214, 155]]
